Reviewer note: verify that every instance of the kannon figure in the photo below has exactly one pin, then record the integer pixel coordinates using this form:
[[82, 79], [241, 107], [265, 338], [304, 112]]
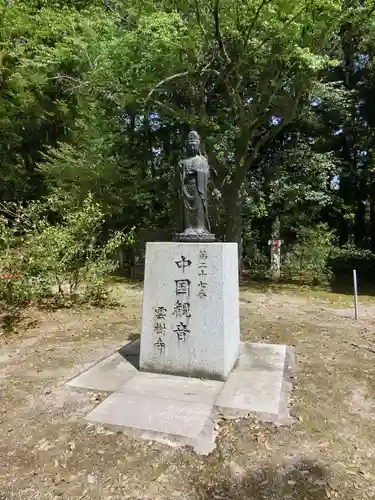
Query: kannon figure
[[194, 174]]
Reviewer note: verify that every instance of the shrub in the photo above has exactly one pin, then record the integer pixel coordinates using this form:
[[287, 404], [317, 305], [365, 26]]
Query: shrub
[[308, 260], [257, 263], [343, 260], [65, 260]]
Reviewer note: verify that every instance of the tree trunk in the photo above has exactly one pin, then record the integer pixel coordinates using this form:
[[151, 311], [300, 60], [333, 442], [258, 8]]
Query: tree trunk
[[233, 221], [372, 213], [233, 215], [360, 225], [275, 251], [344, 226]]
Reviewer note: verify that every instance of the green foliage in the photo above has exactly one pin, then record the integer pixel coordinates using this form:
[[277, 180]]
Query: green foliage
[[343, 260], [95, 101], [66, 260], [257, 262], [308, 259], [94, 163], [227, 69], [42, 46]]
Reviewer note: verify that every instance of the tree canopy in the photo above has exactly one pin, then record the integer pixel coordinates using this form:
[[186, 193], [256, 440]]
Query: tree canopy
[[97, 97]]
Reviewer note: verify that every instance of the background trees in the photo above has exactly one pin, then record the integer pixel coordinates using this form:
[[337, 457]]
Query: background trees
[[97, 98]]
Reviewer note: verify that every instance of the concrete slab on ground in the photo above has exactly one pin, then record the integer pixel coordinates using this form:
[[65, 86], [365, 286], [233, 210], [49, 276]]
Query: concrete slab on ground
[[255, 385], [269, 357], [183, 411], [110, 372], [174, 388], [251, 392], [153, 417]]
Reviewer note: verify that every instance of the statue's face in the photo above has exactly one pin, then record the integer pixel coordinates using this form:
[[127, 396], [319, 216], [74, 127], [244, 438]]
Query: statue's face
[[193, 147]]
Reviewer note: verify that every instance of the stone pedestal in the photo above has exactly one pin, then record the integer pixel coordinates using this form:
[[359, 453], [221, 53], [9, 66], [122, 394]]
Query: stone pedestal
[[190, 314]]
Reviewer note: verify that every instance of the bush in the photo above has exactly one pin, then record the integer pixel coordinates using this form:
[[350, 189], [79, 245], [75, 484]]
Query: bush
[[65, 260], [343, 260], [257, 263], [308, 260]]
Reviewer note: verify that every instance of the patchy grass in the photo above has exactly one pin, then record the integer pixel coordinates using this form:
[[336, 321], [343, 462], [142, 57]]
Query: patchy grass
[[342, 297], [47, 453]]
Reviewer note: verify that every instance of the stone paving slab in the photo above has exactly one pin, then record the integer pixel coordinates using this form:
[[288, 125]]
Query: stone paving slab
[[184, 410], [174, 388], [269, 357], [105, 376], [157, 418], [255, 385], [253, 391]]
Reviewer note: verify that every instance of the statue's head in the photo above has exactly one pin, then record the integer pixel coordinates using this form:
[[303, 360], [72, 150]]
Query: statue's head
[[193, 142]]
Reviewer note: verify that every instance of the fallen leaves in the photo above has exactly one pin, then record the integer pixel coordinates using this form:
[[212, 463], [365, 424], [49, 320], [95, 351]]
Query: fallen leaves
[[57, 478], [366, 347], [96, 397], [331, 493], [44, 445]]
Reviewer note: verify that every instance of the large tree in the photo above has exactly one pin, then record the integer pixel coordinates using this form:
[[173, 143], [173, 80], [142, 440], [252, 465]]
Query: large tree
[[98, 96], [239, 72]]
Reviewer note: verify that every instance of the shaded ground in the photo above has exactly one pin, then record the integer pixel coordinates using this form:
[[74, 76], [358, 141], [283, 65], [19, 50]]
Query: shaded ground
[[46, 452]]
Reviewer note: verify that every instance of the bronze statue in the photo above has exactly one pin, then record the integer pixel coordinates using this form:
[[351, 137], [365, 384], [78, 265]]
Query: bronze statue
[[194, 174]]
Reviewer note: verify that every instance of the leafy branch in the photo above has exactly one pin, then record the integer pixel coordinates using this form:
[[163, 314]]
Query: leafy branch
[[219, 37]]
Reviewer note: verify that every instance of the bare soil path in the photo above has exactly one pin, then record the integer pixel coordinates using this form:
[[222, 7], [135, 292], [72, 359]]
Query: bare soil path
[[46, 452]]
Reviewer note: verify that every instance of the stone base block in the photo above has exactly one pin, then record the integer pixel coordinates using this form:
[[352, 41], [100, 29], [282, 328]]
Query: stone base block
[[185, 411], [190, 314]]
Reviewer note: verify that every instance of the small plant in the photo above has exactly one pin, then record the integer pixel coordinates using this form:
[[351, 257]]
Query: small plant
[[257, 263], [308, 260], [66, 260], [343, 260]]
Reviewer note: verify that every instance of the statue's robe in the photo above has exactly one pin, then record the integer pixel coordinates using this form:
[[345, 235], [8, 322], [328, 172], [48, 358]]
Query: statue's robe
[[194, 182]]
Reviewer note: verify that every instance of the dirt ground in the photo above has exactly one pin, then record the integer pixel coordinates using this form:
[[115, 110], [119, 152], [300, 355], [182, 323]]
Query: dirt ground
[[47, 452]]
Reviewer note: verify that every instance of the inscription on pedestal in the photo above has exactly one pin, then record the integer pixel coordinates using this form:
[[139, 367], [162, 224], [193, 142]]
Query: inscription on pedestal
[[181, 310], [185, 299]]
